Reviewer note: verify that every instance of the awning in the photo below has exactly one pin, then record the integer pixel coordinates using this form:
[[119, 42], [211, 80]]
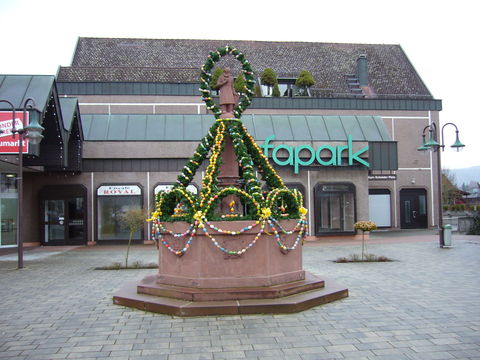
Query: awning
[[60, 118], [193, 127]]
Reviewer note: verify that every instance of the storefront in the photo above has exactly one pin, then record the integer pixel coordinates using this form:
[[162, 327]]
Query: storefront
[[350, 149], [55, 214], [113, 201], [8, 209]]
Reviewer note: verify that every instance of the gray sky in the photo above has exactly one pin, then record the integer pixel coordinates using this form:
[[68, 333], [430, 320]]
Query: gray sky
[[439, 37]]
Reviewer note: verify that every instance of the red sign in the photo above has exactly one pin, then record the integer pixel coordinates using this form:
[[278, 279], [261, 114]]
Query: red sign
[[8, 144]]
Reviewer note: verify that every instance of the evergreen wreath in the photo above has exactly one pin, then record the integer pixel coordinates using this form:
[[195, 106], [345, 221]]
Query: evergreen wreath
[[206, 77]]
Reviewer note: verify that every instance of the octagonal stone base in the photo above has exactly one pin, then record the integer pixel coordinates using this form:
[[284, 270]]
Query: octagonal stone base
[[130, 295], [206, 266], [206, 281]]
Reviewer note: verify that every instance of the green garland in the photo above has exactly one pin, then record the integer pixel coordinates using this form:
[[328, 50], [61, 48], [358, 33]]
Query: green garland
[[278, 201], [206, 77]]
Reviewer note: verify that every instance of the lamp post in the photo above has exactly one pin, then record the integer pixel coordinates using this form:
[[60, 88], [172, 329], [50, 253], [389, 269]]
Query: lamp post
[[33, 132], [433, 145]]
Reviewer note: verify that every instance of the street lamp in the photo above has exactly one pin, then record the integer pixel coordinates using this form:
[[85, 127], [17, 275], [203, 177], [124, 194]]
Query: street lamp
[[433, 145], [32, 132]]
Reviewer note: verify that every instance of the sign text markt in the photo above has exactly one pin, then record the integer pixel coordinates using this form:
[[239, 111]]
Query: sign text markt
[[334, 158], [8, 143]]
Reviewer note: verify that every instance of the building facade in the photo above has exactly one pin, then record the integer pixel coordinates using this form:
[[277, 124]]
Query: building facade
[[349, 143]]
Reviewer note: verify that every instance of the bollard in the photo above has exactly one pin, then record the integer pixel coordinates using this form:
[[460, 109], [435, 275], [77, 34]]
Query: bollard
[[447, 235]]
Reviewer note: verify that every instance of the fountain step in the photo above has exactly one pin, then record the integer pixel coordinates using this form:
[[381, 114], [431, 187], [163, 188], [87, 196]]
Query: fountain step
[[128, 296]]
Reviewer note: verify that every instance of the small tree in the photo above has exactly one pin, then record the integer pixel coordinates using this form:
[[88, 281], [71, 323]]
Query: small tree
[[364, 226], [269, 78], [215, 75], [240, 85], [304, 81], [133, 220], [276, 90]]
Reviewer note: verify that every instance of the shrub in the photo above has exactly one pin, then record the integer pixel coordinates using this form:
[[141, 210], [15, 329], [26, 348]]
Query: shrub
[[364, 226], [475, 228], [304, 81], [240, 85], [215, 75], [268, 78], [133, 220], [368, 258], [276, 91]]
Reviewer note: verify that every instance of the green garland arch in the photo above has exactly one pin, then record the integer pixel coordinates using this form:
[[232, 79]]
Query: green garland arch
[[206, 76]]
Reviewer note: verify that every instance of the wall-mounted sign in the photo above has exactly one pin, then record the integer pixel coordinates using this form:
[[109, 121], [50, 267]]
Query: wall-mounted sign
[[332, 155], [119, 190], [383, 177], [159, 188], [8, 144]]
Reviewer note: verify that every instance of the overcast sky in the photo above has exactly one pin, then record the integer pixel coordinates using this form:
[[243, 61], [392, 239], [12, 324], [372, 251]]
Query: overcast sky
[[439, 37]]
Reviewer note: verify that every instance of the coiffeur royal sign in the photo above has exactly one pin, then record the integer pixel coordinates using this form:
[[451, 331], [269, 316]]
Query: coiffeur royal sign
[[8, 144], [332, 155], [119, 190]]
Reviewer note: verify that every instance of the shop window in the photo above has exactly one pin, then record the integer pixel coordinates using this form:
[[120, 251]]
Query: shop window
[[334, 208], [379, 207], [8, 209], [113, 201]]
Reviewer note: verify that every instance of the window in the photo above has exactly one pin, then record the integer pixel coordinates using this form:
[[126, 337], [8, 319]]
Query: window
[[379, 207], [8, 209], [287, 88], [334, 208], [113, 201]]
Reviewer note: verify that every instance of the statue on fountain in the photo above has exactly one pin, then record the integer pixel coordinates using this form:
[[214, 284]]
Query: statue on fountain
[[228, 96]]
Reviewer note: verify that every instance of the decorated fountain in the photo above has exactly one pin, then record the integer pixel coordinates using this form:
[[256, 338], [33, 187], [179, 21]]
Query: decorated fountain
[[235, 248]]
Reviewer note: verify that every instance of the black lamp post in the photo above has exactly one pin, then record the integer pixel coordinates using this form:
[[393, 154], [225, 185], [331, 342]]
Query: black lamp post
[[433, 145], [32, 132]]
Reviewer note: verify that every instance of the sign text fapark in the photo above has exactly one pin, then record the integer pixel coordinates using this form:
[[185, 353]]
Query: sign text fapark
[[309, 154]]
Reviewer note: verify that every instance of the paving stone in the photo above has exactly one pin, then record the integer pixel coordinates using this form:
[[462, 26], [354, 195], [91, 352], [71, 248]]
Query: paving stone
[[423, 306], [229, 355]]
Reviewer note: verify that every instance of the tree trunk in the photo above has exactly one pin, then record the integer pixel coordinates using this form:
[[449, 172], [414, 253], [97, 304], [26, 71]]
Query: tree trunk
[[128, 249]]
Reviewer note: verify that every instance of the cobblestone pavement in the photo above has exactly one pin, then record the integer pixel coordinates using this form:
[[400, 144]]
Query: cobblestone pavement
[[425, 305]]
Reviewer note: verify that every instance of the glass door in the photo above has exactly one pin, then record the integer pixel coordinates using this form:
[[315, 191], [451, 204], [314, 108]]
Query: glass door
[[413, 209], [334, 208], [64, 217], [54, 216], [75, 225]]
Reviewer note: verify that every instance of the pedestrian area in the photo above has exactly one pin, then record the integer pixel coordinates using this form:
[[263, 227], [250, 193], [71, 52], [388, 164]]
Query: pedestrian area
[[424, 305]]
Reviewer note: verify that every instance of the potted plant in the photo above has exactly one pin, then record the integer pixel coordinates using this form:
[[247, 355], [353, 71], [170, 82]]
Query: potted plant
[[364, 226]]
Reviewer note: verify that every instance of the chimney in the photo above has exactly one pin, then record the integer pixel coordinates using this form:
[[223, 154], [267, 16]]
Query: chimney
[[362, 70]]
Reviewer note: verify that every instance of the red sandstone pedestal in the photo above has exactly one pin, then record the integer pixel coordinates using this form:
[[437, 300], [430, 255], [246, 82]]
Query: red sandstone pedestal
[[206, 281]]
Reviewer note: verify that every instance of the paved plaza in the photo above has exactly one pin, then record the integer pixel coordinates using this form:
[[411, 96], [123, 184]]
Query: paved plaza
[[425, 305]]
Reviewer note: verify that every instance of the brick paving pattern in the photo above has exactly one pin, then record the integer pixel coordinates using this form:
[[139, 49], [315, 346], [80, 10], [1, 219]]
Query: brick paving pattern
[[423, 306]]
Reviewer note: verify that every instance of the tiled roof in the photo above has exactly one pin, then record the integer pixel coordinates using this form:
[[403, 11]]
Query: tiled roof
[[179, 61], [127, 74]]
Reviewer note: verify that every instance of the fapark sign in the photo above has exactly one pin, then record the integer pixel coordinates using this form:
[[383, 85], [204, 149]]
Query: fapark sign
[[304, 155], [9, 144]]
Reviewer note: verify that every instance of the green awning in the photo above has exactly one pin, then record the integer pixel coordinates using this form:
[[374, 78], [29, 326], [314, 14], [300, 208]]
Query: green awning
[[193, 127]]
